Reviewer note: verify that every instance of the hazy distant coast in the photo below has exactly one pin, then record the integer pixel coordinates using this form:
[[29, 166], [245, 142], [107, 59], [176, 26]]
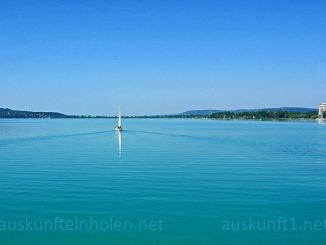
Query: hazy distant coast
[[242, 114], [8, 113]]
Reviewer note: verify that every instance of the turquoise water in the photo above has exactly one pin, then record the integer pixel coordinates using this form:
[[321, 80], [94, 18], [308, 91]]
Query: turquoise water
[[162, 181]]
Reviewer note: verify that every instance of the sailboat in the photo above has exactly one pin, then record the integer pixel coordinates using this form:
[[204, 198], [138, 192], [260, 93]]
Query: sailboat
[[119, 127]]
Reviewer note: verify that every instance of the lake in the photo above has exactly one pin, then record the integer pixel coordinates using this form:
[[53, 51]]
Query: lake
[[162, 181]]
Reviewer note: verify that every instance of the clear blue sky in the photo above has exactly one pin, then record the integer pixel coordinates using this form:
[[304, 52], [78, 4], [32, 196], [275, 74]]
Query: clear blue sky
[[155, 57]]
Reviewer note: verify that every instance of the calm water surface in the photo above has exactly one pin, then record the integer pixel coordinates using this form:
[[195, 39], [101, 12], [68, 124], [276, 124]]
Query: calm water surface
[[162, 181]]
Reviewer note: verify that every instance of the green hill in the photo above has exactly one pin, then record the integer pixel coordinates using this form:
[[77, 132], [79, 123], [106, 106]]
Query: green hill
[[8, 113]]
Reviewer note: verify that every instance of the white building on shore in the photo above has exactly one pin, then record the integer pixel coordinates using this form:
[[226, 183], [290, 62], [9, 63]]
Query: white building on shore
[[322, 111]]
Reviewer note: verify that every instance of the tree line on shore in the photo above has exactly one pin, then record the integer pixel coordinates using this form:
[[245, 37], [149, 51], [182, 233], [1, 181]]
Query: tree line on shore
[[264, 115], [253, 115]]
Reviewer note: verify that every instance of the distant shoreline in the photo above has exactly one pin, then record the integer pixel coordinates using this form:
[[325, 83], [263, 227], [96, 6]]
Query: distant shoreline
[[272, 114], [179, 118]]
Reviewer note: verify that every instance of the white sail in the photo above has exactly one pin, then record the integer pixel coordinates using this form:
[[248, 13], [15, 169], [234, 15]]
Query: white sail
[[119, 127], [119, 120]]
